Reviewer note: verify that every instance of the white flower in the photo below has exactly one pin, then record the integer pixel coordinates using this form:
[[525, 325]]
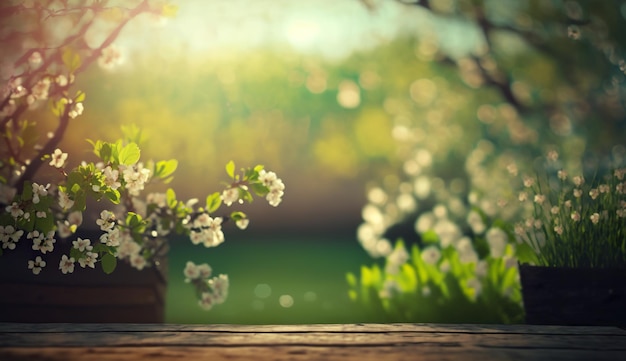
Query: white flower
[[82, 244], [481, 269], [58, 158], [191, 271], [219, 285], [562, 175], [106, 221], [39, 190], [15, 210], [577, 192], [204, 270], [595, 218], [539, 198], [558, 229], [447, 231], [128, 247], [10, 236], [554, 210], [77, 109], [575, 216], [64, 201], [36, 265], [431, 255], [395, 259], [522, 197], [267, 178], [578, 180], [230, 195], [112, 238], [604, 188], [497, 240], [242, 223], [109, 57], [528, 182], [207, 300], [89, 260], [67, 264], [111, 177], [466, 251], [203, 220], [475, 222], [137, 261]]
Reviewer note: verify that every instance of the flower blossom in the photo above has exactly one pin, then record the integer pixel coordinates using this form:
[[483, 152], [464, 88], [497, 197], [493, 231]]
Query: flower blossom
[[39, 190], [497, 240], [89, 260], [10, 236], [36, 265], [67, 264], [15, 210], [58, 158], [111, 177], [82, 244], [106, 221], [274, 184], [230, 195]]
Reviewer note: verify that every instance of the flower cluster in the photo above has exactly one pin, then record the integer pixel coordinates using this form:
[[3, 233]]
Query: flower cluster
[[211, 290], [134, 229], [572, 221], [461, 254]]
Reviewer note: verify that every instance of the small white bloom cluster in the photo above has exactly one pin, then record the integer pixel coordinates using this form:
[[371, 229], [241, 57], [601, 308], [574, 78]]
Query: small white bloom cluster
[[572, 209], [213, 290], [207, 230], [274, 184], [135, 178]]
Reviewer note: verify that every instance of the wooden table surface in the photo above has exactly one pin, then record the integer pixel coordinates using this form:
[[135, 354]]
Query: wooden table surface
[[378, 342]]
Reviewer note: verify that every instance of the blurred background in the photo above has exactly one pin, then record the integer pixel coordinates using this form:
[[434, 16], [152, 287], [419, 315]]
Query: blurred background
[[337, 97]]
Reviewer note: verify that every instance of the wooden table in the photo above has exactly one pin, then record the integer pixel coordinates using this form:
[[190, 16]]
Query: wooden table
[[378, 342]]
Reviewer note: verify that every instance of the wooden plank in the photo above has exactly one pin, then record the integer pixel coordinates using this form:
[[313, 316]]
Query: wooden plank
[[296, 353], [449, 340], [359, 327]]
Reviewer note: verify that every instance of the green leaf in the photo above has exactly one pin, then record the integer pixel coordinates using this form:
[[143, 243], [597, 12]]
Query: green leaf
[[259, 189], [165, 168], [171, 198], [45, 225], [27, 193], [230, 169], [245, 195], [113, 195], [105, 151], [237, 215], [80, 96], [130, 154], [133, 220], [109, 262], [213, 202], [430, 237]]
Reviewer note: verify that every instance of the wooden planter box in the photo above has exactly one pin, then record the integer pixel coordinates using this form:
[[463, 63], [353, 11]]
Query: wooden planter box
[[574, 296], [85, 296]]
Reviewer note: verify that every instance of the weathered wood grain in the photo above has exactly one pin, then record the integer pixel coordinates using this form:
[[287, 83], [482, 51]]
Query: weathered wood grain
[[298, 353], [306, 342]]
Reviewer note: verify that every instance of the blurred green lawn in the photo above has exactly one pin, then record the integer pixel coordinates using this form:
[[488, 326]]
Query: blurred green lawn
[[309, 270]]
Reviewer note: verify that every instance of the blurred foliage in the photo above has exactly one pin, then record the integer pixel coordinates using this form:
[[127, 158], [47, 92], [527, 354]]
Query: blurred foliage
[[548, 78]]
